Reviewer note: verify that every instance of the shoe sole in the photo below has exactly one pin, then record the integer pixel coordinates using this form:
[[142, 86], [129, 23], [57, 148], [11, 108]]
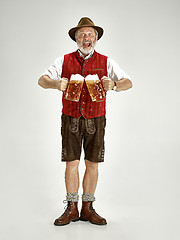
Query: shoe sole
[[74, 220], [86, 220]]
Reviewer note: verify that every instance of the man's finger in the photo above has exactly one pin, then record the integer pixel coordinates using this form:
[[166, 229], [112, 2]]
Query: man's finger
[[104, 77]]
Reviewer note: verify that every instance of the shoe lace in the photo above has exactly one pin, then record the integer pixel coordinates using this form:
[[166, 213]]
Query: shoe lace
[[92, 209], [65, 202], [66, 207]]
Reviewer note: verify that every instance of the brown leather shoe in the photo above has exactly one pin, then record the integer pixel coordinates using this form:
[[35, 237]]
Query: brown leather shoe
[[71, 214], [89, 214]]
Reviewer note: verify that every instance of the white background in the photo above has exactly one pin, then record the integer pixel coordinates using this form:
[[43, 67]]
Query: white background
[[138, 190]]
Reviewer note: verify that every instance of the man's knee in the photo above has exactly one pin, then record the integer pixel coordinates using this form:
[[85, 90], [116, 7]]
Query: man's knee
[[91, 165], [72, 164]]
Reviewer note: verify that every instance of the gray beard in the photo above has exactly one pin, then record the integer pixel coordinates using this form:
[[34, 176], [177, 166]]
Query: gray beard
[[86, 51]]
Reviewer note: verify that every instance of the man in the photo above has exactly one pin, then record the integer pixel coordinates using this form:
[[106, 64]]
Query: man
[[83, 121]]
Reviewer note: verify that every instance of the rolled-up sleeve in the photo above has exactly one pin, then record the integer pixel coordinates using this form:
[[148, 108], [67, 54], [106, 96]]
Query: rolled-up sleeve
[[114, 71], [54, 71]]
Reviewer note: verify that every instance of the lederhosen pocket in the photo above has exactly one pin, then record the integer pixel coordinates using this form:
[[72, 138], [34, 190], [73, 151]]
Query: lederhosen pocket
[[90, 126], [74, 126]]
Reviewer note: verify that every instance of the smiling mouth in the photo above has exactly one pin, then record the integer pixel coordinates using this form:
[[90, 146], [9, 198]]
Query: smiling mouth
[[86, 44]]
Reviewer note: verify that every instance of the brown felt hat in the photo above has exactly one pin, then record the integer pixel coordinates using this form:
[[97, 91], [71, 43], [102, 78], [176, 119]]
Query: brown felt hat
[[85, 22]]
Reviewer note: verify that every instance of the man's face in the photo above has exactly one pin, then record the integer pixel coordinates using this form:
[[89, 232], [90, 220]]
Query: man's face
[[86, 39]]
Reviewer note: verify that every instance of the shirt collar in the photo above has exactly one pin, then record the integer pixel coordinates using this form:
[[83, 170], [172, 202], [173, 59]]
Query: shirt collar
[[88, 56]]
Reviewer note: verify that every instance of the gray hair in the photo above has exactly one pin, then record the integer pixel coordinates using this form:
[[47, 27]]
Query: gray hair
[[96, 32]]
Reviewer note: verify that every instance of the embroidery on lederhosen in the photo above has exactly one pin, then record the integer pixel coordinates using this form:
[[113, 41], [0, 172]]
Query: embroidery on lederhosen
[[90, 127], [63, 153], [74, 127], [101, 155], [101, 131]]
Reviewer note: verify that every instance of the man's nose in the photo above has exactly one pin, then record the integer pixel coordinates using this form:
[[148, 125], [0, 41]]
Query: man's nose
[[86, 36]]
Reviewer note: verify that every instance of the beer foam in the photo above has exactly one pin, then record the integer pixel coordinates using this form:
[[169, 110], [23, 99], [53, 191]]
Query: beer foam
[[77, 77], [92, 77]]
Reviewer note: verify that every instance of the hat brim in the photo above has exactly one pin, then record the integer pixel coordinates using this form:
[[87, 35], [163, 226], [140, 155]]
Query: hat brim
[[73, 30]]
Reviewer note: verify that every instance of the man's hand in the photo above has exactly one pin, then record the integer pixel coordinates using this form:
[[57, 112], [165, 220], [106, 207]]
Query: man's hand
[[108, 84], [46, 82], [62, 84]]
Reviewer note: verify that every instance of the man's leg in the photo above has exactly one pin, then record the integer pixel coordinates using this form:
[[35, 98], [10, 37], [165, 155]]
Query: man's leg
[[72, 185], [89, 187], [71, 151], [90, 177], [72, 176]]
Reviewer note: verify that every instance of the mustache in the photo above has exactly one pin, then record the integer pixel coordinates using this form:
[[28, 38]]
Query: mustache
[[87, 42]]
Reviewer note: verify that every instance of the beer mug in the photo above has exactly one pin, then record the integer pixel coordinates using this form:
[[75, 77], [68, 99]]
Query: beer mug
[[95, 88], [74, 87]]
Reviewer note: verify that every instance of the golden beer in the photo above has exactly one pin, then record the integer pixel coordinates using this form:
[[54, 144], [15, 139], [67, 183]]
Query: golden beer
[[95, 89], [74, 90], [74, 87]]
